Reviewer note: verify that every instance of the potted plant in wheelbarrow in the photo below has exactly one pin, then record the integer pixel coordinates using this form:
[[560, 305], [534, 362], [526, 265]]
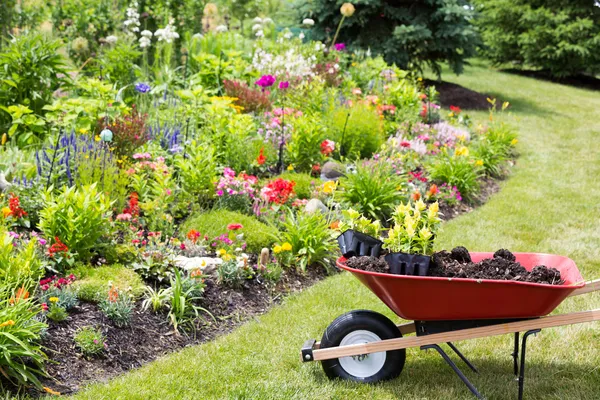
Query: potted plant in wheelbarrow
[[410, 240], [359, 235]]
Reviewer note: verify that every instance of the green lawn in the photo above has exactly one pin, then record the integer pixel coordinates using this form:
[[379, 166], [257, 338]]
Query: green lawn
[[550, 204]]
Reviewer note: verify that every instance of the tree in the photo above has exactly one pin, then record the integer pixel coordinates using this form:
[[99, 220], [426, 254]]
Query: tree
[[409, 33], [561, 37]]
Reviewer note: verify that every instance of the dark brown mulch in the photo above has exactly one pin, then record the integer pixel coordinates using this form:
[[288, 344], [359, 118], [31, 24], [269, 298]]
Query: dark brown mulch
[[452, 94], [458, 264], [579, 81], [150, 336]]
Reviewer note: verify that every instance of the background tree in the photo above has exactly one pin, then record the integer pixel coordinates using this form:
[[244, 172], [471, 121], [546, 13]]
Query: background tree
[[561, 37], [409, 33]]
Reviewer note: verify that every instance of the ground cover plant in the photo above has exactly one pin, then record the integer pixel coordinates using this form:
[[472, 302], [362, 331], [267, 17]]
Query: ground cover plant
[[185, 176]]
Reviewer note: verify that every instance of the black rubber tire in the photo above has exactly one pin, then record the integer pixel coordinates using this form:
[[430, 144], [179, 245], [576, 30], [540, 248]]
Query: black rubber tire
[[369, 321]]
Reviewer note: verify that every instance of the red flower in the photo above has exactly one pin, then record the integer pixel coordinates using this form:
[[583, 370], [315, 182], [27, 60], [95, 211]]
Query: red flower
[[415, 196], [327, 147], [44, 307], [455, 109], [404, 143], [193, 235], [316, 168], [261, 159], [133, 208], [278, 191], [423, 96], [57, 247], [234, 227], [182, 246], [15, 207]]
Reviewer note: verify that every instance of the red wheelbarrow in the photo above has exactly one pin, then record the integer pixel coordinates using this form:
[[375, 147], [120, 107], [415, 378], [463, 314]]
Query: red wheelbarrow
[[365, 346]]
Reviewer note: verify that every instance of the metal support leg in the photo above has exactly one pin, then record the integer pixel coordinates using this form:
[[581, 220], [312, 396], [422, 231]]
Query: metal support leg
[[522, 371], [515, 355], [462, 357], [454, 367]]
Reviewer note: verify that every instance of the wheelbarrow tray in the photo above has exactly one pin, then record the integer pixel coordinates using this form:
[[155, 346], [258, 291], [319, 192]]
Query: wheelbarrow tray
[[433, 298]]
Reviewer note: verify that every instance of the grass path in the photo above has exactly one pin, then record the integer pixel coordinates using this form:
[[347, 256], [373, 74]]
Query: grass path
[[550, 204]]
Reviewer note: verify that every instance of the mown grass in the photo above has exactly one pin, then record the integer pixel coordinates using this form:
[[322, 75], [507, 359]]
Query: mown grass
[[550, 204]]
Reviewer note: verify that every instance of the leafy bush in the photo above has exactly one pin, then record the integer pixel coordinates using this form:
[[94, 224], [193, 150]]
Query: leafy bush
[[256, 234], [79, 217], [363, 134], [93, 282], [198, 171], [553, 35], [57, 313], [118, 62], [408, 34], [229, 273], [117, 307], [22, 359], [303, 149], [18, 264], [457, 171], [252, 100], [181, 307], [373, 190], [310, 237], [90, 341]]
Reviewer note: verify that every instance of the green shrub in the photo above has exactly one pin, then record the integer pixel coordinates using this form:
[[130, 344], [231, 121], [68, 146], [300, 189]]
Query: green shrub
[[410, 34], [556, 36], [492, 156], [364, 130], [18, 266], [182, 296], [304, 183], [117, 306], [79, 217], [22, 359], [456, 171], [57, 313], [304, 148], [93, 282], [374, 190], [311, 239], [214, 223], [198, 171], [90, 341], [117, 62]]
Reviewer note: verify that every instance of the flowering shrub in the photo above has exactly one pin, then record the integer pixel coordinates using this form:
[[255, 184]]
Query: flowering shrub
[[236, 192], [59, 289], [90, 341], [251, 100], [117, 306], [414, 230], [129, 132], [278, 191]]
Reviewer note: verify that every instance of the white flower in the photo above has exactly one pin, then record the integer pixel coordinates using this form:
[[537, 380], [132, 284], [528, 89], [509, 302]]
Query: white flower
[[146, 33], [331, 70], [301, 35], [256, 27], [287, 35], [221, 29], [145, 42], [132, 23], [260, 33], [267, 21], [308, 21], [112, 39], [197, 36], [167, 33], [257, 20], [336, 66]]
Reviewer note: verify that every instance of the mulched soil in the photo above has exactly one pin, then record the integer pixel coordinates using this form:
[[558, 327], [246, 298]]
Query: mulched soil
[[150, 336], [580, 81], [452, 94]]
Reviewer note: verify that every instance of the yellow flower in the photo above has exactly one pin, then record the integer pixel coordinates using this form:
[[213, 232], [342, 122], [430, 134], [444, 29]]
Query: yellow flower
[[277, 249], [425, 233], [290, 167], [420, 205], [462, 151], [226, 257], [434, 207], [451, 114], [97, 138], [53, 299], [479, 163], [286, 247], [347, 9], [6, 212], [403, 209], [221, 252], [329, 187], [419, 79], [4, 139], [514, 141], [10, 322], [52, 392]]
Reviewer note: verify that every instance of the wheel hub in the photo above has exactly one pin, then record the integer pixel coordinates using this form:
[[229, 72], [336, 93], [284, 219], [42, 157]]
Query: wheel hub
[[363, 365]]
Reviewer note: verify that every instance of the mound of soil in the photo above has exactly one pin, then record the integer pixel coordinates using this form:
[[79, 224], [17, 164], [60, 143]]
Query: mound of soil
[[372, 264], [452, 94], [458, 264], [149, 335]]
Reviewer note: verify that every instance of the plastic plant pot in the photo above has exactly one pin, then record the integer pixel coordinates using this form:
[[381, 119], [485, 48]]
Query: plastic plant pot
[[354, 244], [408, 264]]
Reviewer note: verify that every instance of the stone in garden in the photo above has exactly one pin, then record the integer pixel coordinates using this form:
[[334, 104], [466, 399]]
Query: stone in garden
[[316, 205], [332, 170], [208, 265], [3, 183]]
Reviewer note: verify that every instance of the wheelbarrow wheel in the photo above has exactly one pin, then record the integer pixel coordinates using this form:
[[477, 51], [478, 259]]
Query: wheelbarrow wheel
[[363, 326]]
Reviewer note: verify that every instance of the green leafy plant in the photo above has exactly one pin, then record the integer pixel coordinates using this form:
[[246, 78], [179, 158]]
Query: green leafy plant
[[311, 239], [198, 171], [117, 307], [18, 264], [373, 190], [229, 273], [303, 149], [78, 216], [156, 299], [357, 131], [57, 313], [456, 170], [90, 341], [414, 230], [93, 282], [181, 307], [352, 219]]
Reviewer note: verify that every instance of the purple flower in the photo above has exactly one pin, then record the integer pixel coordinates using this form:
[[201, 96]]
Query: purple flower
[[340, 46], [142, 87], [284, 85], [266, 81], [219, 193]]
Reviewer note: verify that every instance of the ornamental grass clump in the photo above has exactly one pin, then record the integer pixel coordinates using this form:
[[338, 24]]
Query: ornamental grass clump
[[415, 228]]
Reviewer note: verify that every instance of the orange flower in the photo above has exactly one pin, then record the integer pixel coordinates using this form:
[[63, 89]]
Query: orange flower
[[21, 294], [10, 322], [415, 196], [433, 190], [52, 392], [113, 294], [334, 225], [193, 235]]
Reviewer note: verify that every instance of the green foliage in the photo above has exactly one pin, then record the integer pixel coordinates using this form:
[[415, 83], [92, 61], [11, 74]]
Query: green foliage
[[363, 135], [311, 239], [181, 307], [57, 313], [304, 148], [22, 358], [93, 282], [27, 128], [410, 34], [214, 223], [374, 190], [155, 299], [118, 307], [79, 217], [90, 341], [67, 298], [229, 273], [305, 183], [198, 171], [456, 171], [117, 62], [18, 265], [352, 219], [553, 35], [415, 228]]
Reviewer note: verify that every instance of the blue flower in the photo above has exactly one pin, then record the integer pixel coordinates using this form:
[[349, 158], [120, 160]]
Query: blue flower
[[142, 87]]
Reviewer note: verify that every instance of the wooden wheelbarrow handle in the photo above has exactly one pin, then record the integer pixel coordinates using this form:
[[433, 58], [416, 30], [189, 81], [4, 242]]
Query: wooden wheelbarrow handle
[[590, 286]]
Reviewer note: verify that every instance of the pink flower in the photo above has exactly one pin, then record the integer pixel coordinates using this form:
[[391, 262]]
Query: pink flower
[[234, 227], [404, 143], [340, 46], [220, 193], [284, 85], [229, 172], [168, 192], [266, 81], [182, 246], [124, 217]]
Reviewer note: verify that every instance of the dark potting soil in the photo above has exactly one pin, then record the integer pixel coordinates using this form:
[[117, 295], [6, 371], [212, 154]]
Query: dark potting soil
[[452, 94], [149, 335], [458, 264], [373, 264]]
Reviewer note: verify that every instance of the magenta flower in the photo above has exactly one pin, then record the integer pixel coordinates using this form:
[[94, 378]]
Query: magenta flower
[[340, 46], [284, 85], [266, 81]]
